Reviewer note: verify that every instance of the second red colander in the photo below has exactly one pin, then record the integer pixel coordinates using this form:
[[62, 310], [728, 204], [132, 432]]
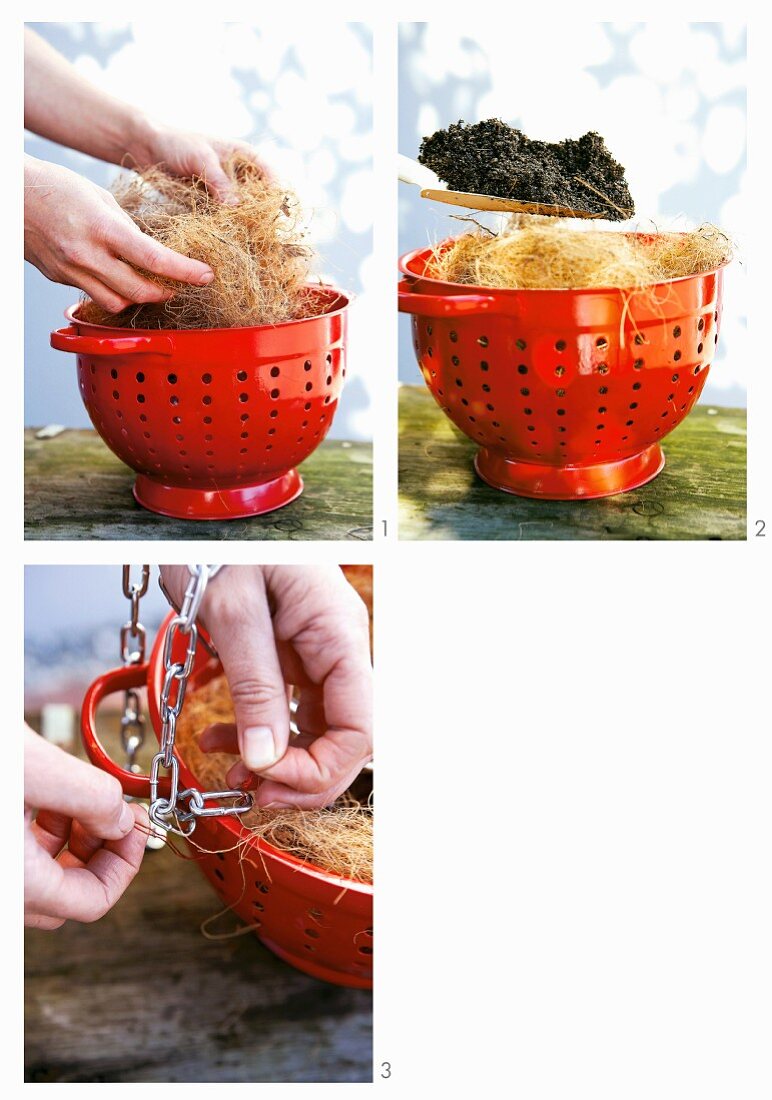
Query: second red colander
[[567, 393], [318, 922]]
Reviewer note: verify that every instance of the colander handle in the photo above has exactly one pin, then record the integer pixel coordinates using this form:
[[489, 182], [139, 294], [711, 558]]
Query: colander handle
[[68, 339], [443, 305], [119, 679]]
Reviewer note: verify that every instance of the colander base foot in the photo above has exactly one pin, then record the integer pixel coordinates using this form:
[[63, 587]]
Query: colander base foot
[[585, 482], [234, 503]]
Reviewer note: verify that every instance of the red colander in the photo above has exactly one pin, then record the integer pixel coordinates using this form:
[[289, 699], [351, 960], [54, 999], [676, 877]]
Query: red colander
[[567, 393], [213, 421], [317, 922]]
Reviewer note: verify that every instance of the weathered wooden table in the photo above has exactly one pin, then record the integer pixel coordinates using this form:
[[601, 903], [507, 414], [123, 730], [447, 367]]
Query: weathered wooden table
[[75, 488], [142, 996], [700, 494]]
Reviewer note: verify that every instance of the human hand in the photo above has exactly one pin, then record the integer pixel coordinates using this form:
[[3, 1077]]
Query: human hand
[[281, 625], [190, 154], [76, 233], [82, 849]]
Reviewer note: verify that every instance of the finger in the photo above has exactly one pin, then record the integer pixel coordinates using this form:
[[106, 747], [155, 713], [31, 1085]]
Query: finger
[[52, 831], [271, 794], [143, 252], [58, 782], [99, 292], [239, 620], [43, 924], [217, 181], [319, 768], [130, 285], [327, 625], [86, 893], [220, 737], [60, 836], [309, 716], [223, 737], [82, 844], [239, 775], [248, 152]]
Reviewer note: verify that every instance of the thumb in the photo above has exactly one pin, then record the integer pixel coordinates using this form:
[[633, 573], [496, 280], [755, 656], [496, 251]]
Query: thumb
[[243, 634], [218, 182]]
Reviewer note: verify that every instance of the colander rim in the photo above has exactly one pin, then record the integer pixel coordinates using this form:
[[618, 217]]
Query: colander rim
[[345, 297], [474, 288]]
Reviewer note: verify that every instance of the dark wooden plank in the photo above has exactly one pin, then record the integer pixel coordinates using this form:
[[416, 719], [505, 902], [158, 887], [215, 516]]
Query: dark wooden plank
[[699, 495], [142, 996], [75, 488]]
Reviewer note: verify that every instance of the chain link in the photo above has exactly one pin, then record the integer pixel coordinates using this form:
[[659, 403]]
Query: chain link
[[132, 720], [178, 812]]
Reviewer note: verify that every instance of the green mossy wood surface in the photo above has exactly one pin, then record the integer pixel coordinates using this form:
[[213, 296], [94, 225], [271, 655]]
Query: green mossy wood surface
[[141, 995], [700, 494], [75, 488]]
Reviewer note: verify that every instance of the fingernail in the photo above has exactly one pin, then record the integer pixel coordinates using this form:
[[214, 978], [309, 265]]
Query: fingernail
[[206, 278], [259, 748], [240, 776], [126, 821]]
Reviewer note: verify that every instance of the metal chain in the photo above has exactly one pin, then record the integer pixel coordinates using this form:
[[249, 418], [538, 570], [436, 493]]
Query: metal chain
[[180, 810], [133, 637]]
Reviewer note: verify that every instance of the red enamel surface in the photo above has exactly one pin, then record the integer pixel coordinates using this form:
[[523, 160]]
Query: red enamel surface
[[566, 392], [214, 421]]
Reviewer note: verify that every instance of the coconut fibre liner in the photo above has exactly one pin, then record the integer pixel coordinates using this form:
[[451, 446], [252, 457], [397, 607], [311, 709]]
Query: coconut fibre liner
[[256, 249], [534, 253], [338, 839]]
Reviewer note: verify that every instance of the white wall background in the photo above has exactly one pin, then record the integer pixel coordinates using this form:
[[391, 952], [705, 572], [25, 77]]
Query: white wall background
[[72, 618], [304, 97], [668, 97]]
